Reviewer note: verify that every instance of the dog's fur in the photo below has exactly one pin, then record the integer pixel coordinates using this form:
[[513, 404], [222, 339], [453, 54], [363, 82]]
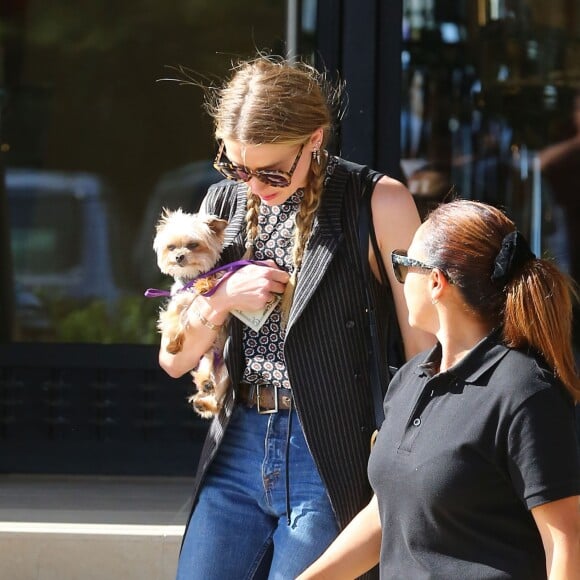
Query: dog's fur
[[188, 245]]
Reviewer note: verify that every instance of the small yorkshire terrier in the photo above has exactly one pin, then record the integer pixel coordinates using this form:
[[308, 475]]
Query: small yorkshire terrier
[[188, 245]]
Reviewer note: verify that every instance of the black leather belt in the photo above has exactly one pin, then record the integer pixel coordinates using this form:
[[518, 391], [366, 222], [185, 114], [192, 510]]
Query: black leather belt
[[267, 398]]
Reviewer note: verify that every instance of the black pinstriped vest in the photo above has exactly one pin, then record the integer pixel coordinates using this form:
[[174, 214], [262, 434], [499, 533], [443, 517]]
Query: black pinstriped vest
[[326, 348]]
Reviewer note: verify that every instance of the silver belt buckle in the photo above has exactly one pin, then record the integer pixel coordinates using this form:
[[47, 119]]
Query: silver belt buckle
[[266, 411]]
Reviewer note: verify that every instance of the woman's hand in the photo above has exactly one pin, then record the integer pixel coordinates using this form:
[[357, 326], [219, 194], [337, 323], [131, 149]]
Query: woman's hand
[[250, 288]]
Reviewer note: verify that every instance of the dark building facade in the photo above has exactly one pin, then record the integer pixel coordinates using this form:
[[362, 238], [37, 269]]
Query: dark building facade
[[101, 125]]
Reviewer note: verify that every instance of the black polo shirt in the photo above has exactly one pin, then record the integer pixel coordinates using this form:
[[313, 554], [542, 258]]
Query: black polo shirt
[[461, 459]]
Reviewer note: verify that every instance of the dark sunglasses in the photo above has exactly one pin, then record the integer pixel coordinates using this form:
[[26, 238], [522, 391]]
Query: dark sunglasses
[[273, 177], [402, 263]]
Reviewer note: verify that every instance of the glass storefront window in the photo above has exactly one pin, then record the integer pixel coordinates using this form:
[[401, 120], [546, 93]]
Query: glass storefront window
[[491, 110], [93, 147]]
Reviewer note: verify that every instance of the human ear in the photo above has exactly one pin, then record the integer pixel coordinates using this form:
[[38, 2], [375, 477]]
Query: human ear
[[316, 138], [437, 284]]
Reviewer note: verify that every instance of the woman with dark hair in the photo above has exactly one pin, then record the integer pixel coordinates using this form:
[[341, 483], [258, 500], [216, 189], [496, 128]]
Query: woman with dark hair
[[283, 468], [476, 469]]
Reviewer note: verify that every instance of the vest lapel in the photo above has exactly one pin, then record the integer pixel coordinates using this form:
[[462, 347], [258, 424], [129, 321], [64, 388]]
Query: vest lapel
[[233, 250], [324, 241], [235, 231]]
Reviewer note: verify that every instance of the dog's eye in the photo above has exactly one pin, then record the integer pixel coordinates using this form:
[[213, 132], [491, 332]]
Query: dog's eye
[[171, 247], [192, 245]]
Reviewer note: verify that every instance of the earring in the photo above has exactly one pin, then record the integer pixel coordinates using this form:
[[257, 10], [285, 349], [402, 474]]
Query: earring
[[316, 154], [433, 301]]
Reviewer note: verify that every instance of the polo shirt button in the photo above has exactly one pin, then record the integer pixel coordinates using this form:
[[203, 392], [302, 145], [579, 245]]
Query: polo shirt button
[[416, 422], [349, 324]]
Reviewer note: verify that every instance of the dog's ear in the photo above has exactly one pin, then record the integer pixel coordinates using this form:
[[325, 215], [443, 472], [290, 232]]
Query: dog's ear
[[216, 224], [163, 218]]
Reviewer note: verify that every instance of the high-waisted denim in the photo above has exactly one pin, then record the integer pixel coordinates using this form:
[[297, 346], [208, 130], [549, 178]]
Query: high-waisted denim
[[240, 528]]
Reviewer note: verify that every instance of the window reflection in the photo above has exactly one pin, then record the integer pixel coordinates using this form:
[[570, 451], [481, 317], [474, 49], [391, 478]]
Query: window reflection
[[93, 147], [488, 87], [40, 246]]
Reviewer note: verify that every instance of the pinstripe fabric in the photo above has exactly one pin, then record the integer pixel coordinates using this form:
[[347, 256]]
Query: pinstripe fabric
[[327, 343]]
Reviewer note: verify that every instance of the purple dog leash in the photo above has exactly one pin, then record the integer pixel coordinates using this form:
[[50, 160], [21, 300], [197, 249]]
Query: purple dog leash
[[228, 269]]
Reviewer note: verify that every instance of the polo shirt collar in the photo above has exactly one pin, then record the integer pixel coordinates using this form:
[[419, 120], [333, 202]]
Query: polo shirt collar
[[483, 356]]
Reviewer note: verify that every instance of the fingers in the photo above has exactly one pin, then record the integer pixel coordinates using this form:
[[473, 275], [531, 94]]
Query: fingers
[[279, 276], [268, 284], [277, 288], [269, 263], [276, 272], [270, 273]]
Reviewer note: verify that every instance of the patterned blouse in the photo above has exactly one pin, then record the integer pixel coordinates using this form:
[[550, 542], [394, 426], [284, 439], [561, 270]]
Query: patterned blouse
[[264, 350]]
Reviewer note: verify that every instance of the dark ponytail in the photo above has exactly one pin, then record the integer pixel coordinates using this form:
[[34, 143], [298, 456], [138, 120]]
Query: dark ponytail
[[503, 283]]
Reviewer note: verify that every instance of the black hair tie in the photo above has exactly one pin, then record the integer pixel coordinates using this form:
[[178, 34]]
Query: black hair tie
[[514, 252]]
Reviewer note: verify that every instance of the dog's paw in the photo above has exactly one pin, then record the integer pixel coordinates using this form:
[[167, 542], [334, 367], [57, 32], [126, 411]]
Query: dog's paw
[[205, 406], [175, 345]]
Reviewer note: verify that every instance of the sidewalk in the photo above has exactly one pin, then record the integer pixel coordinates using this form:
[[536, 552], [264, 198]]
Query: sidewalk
[[91, 527]]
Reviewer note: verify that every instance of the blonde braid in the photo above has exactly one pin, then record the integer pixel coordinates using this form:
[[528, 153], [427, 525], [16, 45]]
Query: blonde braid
[[304, 220], [251, 224]]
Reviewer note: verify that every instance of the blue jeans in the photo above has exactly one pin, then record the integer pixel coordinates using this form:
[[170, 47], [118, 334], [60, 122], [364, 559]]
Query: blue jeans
[[241, 521]]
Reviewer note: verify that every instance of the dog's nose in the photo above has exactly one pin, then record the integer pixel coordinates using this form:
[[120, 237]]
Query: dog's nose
[[179, 258]]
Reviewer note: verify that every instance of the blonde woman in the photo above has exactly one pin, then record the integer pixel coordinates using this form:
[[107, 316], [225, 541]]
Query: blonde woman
[[283, 469], [476, 469]]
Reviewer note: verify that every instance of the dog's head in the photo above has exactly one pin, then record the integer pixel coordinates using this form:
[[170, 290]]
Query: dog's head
[[187, 244]]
